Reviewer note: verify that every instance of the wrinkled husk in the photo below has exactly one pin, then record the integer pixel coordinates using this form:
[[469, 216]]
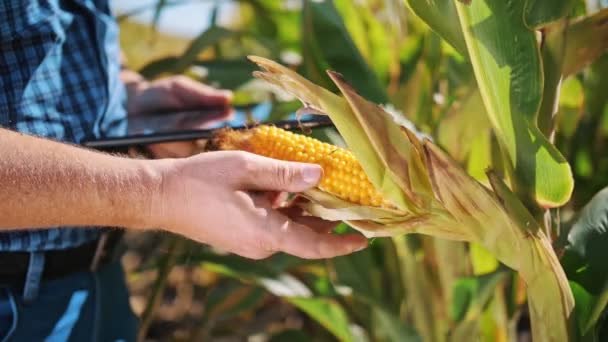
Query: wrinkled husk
[[432, 195]]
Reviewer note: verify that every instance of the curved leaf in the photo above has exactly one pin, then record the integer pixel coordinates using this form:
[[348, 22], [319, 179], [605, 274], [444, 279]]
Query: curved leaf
[[327, 45], [541, 12], [158, 67], [441, 17], [587, 241], [504, 227], [210, 37], [226, 73], [472, 294], [507, 66], [361, 273], [394, 328], [585, 257], [328, 313]]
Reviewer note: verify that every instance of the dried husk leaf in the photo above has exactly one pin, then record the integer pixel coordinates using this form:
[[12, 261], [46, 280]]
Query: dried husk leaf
[[321, 100], [391, 144], [332, 208], [381, 222], [543, 274], [512, 236], [426, 224]]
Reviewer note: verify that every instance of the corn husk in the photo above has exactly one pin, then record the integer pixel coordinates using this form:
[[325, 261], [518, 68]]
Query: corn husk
[[432, 195]]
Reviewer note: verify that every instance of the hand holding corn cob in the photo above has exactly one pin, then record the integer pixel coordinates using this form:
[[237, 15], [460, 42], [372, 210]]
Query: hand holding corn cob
[[343, 177]]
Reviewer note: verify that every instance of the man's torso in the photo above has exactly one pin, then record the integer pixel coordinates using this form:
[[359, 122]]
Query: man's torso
[[59, 78]]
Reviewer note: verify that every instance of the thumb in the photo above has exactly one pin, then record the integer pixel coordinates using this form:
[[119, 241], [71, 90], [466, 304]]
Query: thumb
[[266, 174]]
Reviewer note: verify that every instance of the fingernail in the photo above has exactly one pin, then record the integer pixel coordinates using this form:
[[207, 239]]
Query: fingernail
[[311, 174]]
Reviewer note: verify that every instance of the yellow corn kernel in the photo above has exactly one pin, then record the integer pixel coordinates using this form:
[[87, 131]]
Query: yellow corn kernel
[[343, 176]]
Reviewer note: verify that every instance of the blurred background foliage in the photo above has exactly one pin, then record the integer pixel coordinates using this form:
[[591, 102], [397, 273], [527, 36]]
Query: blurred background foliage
[[408, 288]]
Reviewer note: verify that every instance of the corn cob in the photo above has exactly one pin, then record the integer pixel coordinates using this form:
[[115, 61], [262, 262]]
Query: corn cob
[[343, 176]]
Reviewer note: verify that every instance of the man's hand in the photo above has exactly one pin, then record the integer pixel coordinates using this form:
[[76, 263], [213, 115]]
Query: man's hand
[[218, 198], [177, 93], [221, 198]]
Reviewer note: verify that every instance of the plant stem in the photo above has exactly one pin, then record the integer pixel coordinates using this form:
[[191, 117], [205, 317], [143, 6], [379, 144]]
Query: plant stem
[[164, 268]]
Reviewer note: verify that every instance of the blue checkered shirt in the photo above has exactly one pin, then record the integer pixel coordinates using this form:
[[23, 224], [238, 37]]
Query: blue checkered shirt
[[59, 78]]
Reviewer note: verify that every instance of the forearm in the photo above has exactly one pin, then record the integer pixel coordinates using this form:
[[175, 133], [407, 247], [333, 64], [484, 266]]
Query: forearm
[[45, 183]]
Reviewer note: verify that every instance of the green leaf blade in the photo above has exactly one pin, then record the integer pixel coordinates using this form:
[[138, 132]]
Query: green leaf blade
[[441, 17], [506, 61], [542, 12], [328, 45]]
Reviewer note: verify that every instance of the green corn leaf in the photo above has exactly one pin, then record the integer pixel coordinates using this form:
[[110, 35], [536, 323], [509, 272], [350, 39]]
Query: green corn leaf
[[584, 306], [355, 23], [327, 45], [541, 12], [359, 272], [328, 313], [459, 130], [507, 66], [571, 101], [482, 260], [158, 67], [394, 328], [441, 17], [208, 38], [362, 274], [230, 299], [585, 254], [324, 310], [226, 74], [472, 294]]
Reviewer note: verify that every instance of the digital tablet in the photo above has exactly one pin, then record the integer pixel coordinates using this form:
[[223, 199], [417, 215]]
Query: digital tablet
[[177, 126]]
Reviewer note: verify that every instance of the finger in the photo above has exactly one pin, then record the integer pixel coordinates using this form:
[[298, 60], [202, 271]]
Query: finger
[[261, 173], [196, 93], [276, 198], [295, 201], [300, 240], [206, 119], [317, 224]]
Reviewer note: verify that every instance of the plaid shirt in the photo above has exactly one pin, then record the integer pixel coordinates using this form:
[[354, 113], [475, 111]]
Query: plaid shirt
[[59, 78]]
